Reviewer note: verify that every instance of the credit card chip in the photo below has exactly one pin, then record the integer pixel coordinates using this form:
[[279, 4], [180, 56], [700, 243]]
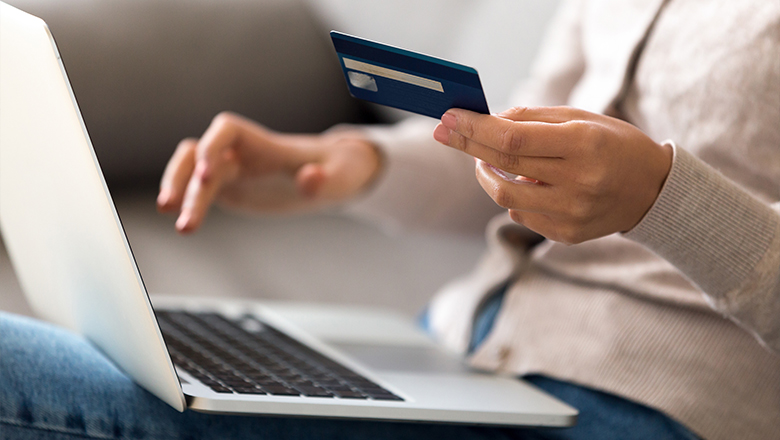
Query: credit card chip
[[362, 81]]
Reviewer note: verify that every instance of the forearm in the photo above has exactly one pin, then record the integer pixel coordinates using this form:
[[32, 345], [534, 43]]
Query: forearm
[[723, 239]]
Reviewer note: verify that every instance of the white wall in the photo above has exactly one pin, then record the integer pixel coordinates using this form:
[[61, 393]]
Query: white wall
[[499, 38]]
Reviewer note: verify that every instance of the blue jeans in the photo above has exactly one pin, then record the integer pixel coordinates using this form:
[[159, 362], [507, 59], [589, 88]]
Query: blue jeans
[[56, 385]]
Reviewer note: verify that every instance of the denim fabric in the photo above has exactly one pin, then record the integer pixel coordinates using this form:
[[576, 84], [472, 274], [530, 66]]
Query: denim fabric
[[485, 317], [56, 385]]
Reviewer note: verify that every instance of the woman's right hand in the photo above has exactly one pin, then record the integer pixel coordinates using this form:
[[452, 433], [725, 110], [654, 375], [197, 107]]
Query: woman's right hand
[[243, 165]]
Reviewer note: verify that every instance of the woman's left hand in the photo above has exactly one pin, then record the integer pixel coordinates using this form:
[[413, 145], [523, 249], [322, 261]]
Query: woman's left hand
[[580, 175]]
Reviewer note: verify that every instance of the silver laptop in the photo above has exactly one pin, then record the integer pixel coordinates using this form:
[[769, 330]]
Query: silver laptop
[[76, 267]]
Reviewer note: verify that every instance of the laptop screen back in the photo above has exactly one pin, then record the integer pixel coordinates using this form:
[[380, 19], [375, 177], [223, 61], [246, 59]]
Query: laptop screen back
[[57, 218]]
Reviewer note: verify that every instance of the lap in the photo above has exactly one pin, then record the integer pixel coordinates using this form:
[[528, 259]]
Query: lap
[[57, 385]]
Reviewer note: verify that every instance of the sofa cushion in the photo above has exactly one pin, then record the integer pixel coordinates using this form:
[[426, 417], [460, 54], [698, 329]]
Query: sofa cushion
[[147, 73]]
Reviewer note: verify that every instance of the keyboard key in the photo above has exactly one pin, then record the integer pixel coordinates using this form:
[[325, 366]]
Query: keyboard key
[[281, 390], [248, 390], [298, 383], [219, 389], [313, 391], [340, 388], [388, 396], [270, 382], [350, 395], [223, 355]]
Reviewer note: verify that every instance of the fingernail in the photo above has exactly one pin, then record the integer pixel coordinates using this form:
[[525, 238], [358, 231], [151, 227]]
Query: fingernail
[[528, 179], [442, 134], [183, 220], [449, 120], [165, 195], [501, 173]]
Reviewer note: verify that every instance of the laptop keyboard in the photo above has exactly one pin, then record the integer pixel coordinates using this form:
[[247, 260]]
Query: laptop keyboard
[[247, 356]]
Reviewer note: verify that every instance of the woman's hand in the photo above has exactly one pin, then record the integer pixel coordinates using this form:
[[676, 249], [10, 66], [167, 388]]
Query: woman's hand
[[244, 165], [580, 175]]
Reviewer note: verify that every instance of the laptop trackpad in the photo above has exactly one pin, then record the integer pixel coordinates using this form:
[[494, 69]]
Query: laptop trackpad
[[409, 359]]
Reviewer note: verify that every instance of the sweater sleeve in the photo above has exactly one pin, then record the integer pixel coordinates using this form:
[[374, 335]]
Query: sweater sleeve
[[722, 239]]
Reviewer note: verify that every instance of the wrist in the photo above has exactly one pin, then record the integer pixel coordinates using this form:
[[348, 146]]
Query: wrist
[[379, 162], [661, 167], [366, 158]]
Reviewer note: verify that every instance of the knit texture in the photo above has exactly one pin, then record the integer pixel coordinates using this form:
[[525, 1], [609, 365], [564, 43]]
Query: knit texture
[[682, 313]]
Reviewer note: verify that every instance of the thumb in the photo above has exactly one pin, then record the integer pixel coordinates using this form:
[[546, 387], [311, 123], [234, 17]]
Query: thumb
[[310, 179]]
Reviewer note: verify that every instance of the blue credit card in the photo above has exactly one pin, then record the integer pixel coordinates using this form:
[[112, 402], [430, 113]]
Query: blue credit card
[[407, 80]]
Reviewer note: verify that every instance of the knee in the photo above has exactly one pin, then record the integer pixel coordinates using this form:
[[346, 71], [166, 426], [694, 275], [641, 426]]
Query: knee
[[49, 373], [37, 352]]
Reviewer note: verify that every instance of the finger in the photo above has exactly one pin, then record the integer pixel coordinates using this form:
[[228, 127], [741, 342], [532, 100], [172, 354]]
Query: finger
[[310, 179], [509, 193], [543, 224], [551, 227], [221, 135], [540, 168], [553, 115], [200, 195], [530, 180], [176, 175], [524, 138], [228, 132]]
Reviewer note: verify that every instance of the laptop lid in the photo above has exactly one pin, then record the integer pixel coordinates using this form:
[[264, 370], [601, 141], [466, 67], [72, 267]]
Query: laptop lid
[[58, 220]]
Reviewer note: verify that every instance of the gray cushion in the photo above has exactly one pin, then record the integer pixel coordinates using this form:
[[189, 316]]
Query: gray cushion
[[147, 73]]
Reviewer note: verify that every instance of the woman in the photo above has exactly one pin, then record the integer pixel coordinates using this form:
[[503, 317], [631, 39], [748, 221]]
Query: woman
[[653, 305]]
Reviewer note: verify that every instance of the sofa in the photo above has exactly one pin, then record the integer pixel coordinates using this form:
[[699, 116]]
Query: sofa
[[147, 73]]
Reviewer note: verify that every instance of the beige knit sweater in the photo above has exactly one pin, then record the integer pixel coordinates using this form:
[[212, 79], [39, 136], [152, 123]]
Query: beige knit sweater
[[683, 312]]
